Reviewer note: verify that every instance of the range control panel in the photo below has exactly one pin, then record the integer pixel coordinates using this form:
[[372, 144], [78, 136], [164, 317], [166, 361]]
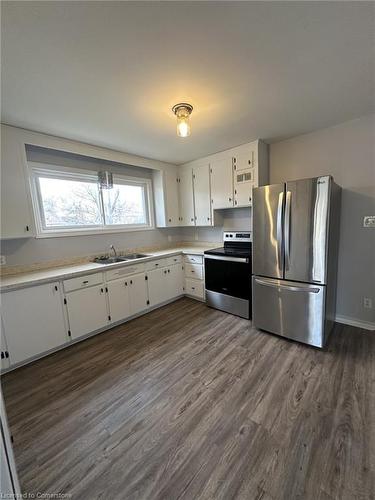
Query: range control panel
[[240, 236]]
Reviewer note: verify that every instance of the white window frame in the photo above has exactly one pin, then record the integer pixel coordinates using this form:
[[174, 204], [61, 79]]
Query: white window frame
[[37, 170]]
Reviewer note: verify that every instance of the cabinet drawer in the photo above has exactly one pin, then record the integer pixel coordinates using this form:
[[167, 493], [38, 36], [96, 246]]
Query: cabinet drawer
[[176, 259], [124, 271], [194, 259], [155, 264], [83, 282], [194, 288], [194, 271]]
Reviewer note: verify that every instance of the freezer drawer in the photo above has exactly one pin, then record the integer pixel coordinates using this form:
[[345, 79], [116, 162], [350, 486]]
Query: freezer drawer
[[291, 309]]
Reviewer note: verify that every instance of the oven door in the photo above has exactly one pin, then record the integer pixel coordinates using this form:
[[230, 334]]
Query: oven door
[[228, 275]]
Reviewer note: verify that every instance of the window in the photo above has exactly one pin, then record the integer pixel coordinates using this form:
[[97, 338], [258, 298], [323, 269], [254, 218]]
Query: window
[[71, 202]]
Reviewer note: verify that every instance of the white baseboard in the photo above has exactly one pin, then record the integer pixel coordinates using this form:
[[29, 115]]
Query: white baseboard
[[366, 325]]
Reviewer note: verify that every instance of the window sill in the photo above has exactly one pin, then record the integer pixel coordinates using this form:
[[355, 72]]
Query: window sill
[[92, 232]]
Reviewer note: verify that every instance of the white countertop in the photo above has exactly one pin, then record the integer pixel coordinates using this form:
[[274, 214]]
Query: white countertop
[[23, 280]]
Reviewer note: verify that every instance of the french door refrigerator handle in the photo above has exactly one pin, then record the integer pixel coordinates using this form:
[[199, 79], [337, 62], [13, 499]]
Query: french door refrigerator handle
[[292, 288], [287, 229], [279, 230]]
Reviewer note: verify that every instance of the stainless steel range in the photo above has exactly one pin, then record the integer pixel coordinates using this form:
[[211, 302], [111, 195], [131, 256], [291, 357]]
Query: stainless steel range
[[228, 274]]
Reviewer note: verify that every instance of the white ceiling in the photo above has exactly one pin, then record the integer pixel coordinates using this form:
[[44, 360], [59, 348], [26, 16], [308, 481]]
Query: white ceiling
[[108, 73]]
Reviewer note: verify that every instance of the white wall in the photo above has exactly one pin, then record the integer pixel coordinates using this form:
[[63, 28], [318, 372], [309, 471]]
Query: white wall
[[347, 152]]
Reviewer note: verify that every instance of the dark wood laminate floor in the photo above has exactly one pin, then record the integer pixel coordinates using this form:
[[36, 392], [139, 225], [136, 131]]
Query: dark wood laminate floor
[[191, 403]]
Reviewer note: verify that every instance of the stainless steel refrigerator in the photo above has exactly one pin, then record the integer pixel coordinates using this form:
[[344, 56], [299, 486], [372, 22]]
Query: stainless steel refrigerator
[[295, 247]]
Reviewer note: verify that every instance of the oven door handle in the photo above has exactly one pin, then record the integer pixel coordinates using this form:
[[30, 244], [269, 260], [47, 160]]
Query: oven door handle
[[227, 259]]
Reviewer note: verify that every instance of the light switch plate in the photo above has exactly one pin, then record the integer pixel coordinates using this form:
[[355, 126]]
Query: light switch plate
[[369, 221]]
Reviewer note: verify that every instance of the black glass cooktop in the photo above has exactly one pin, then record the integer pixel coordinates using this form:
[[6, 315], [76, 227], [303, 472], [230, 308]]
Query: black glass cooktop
[[243, 251]]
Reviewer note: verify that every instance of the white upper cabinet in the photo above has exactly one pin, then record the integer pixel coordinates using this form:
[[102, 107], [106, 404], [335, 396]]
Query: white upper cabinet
[[244, 177], [250, 169], [16, 218], [222, 182], [33, 321], [202, 196], [185, 189], [172, 205]]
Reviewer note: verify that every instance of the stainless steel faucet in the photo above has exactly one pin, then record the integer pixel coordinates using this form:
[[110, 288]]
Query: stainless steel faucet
[[114, 250]]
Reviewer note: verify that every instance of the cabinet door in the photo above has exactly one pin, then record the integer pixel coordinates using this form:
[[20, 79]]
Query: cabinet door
[[138, 293], [4, 349], [174, 281], [118, 296], [87, 310], [202, 195], [15, 207], [185, 187], [171, 203], [243, 187], [157, 292], [33, 321], [222, 183]]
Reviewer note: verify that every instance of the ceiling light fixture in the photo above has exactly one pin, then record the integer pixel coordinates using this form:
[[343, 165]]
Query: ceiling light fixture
[[183, 111], [105, 180]]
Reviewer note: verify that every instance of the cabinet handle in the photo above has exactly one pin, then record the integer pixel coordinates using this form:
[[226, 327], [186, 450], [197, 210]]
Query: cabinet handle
[[169, 220], [84, 282], [27, 228], [193, 287], [235, 202], [208, 218], [169, 270], [165, 271], [56, 288], [7, 354], [101, 290], [156, 265], [230, 199], [126, 283], [106, 289], [193, 271], [2, 355], [131, 282], [192, 219]]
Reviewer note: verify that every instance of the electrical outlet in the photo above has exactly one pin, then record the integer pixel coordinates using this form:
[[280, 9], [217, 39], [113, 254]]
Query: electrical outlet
[[369, 221], [367, 302], [3, 260]]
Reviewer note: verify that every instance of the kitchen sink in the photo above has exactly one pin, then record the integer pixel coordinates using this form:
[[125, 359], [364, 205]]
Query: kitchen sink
[[109, 260], [131, 256], [105, 259]]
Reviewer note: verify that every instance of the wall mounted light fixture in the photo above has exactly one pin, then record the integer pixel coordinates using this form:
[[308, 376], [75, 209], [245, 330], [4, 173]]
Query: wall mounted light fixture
[[183, 111]]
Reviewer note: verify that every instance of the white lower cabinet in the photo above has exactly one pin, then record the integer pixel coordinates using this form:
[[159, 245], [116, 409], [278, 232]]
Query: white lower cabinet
[[127, 296], [41, 318], [138, 296], [194, 276], [174, 281], [87, 310], [164, 284], [4, 349], [118, 296], [33, 321], [156, 286]]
